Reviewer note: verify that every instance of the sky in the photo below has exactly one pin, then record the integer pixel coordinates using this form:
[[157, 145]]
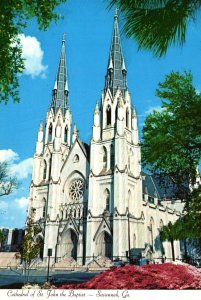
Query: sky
[[88, 26]]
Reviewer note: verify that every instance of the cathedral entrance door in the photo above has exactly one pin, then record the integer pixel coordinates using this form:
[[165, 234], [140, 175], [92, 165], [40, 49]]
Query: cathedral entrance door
[[74, 240], [68, 244], [104, 245], [108, 245]]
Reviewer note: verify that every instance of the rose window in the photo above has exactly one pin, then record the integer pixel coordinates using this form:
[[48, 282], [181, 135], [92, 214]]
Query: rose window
[[76, 189]]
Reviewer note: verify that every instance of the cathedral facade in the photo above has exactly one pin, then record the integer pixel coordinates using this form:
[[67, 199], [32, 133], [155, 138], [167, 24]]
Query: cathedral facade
[[94, 200]]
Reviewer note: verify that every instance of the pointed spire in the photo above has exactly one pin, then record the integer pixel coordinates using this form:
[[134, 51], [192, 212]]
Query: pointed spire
[[60, 91], [116, 72], [134, 112], [41, 126], [75, 128], [96, 108]]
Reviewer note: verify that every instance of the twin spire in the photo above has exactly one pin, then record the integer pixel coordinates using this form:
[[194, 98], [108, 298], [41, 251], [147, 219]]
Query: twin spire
[[115, 76], [60, 90], [116, 72]]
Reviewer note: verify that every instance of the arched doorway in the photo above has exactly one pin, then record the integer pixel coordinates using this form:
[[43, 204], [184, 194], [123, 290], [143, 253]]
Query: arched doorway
[[68, 244], [104, 245]]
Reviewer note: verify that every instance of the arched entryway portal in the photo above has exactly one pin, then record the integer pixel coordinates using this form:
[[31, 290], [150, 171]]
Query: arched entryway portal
[[104, 245], [68, 244]]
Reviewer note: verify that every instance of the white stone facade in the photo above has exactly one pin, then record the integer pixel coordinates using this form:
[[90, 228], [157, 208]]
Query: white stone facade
[[89, 199]]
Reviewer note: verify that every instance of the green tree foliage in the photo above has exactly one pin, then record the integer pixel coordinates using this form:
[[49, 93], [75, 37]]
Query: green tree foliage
[[14, 16], [169, 233], [31, 243], [172, 137], [2, 237], [189, 225], [157, 24], [7, 182]]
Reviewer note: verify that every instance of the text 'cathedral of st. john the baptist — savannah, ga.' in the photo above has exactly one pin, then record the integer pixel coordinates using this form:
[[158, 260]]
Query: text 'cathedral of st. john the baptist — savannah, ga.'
[[94, 200]]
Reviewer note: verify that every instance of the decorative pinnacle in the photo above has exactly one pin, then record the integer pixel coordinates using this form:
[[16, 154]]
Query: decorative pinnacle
[[116, 13], [63, 38], [41, 126], [134, 111], [97, 108], [75, 129]]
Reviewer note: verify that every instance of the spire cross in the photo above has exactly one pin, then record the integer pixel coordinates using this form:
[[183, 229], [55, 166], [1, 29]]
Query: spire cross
[[116, 13], [64, 37]]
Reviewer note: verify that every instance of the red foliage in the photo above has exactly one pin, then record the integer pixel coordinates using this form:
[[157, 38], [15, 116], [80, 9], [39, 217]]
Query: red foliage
[[160, 276]]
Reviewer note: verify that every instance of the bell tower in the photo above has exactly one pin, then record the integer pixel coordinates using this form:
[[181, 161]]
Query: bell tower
[[115, 185]]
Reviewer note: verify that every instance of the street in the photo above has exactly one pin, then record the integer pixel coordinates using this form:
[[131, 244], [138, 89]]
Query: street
[[14, 278]]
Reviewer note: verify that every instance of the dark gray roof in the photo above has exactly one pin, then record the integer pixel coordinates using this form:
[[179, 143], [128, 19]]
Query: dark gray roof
[[154, 186], [116, 71], [60, 91]]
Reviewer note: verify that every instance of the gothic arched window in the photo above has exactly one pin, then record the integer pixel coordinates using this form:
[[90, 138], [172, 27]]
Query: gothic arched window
[[127, 118], [104, 158], [161, 224], [76, 158], [50, 133], [108, 115], [50, 167], [44, 208], [66, 134], [107, 199], [112, 162], [116, 114], [45, 170]]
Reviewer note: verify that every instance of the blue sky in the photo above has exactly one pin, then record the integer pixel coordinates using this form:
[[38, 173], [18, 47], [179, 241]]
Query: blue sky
[[88, 27]]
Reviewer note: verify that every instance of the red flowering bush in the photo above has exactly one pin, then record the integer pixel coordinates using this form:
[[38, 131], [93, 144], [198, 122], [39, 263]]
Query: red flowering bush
[[160, 276]]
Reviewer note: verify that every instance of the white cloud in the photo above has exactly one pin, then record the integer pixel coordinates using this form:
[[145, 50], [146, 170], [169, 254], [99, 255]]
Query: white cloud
[[8, 155], [33, 55], [22, 202], [23, 169], [152, 108]]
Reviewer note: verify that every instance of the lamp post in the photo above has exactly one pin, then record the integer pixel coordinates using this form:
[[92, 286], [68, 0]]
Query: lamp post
[[49, 253], [129, 240]]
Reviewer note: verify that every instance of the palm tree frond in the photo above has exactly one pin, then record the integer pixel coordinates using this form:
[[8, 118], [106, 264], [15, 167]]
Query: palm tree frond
[[156, 25]]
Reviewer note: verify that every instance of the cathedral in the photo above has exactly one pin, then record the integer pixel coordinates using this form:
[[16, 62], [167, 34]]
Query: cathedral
[[94, 200]]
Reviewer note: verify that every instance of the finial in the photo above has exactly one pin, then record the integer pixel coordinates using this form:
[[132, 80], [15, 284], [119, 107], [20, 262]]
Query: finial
[[116, 13], [134, 111], [66, 86], [63, 38], [41, 126], [75, 128], [55, 85], [110, 67], [97, 108], [123, 65]]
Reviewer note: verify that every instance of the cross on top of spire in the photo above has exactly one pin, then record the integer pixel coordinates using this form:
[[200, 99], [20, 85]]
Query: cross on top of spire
[[116, 71]]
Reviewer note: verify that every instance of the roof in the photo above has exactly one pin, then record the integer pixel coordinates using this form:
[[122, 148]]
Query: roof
[[154, 186], [116, 71]]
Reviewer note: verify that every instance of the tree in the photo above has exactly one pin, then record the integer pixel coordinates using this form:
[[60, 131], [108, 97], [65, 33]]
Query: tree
[[14, 17], [172, 138], [2, 237], [168, 233], [156, 24], [31, 244], [7, 182]]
